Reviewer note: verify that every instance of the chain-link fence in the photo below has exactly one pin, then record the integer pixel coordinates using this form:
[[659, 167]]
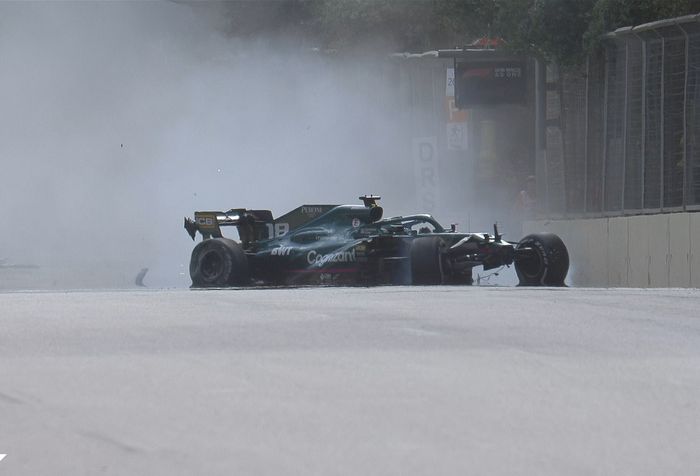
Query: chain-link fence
[[630, 123]]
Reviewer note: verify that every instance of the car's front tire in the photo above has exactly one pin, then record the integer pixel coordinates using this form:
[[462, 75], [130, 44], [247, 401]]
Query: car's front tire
[[546, 264], [218, 262], [426, 260]]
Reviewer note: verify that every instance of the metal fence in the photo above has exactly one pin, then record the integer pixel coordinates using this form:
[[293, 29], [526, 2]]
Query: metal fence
[[630, 123]]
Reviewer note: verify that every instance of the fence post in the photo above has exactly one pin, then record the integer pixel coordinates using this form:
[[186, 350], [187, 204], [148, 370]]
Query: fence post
[[603, 201], [624, 127], [663, 130], [644, 119], [540, 134], [585, 136], [685, 117]]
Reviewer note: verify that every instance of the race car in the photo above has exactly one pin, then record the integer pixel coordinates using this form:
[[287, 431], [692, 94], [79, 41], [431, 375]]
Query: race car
[[354, 245]]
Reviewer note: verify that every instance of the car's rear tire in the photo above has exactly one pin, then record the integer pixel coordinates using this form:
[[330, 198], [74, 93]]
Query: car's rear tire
[[426, 260], [546, 265], [218, 262]]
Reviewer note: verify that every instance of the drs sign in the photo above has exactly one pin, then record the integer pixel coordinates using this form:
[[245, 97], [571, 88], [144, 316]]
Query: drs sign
[[487, 83], [425, 165]]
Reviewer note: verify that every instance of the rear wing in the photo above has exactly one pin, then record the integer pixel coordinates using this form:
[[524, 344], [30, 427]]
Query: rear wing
[[253, 225]]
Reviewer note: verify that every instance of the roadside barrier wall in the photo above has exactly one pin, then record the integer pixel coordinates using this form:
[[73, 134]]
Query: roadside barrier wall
[[661, 250]]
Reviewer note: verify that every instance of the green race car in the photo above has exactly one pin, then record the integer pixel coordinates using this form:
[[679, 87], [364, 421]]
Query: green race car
[[354, 245]]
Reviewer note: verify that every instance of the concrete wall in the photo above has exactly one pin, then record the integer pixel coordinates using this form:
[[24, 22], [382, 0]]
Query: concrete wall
[[638, 251]]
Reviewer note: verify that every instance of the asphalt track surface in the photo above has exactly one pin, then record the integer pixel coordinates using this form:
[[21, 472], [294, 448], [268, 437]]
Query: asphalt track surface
[[350, 381]]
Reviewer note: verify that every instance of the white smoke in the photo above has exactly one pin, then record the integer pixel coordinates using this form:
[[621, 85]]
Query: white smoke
[[119, 118]]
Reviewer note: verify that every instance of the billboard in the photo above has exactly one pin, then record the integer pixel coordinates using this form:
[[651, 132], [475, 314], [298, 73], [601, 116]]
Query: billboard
[[488, 83]]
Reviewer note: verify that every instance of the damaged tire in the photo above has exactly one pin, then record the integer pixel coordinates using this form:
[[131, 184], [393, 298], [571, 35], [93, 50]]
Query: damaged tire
[[426, 260], [547, 262], [218, 262]]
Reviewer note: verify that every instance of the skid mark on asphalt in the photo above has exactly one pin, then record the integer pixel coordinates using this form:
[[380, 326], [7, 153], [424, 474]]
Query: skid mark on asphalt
[[5, 398], [110, 441], [420, 332]]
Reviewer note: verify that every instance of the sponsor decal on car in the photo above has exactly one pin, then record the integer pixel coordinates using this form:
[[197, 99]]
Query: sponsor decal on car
[[317, 259], [206, 221], [281, 251], [312, 210]]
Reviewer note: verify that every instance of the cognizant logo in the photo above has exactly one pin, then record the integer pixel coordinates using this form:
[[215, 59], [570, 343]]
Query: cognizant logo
[[316, 259]]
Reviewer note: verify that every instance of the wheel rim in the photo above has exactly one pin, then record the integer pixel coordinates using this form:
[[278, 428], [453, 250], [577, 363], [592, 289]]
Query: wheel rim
[[211, 265], [531, 266]]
